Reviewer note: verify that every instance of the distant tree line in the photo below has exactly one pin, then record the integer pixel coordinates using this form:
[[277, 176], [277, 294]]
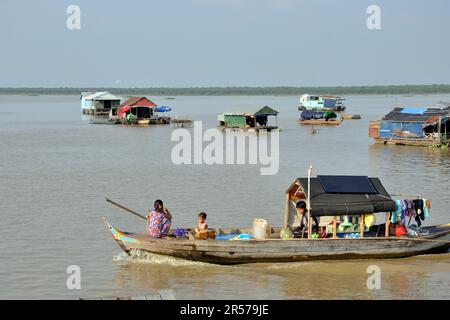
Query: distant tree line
[[236, 91]]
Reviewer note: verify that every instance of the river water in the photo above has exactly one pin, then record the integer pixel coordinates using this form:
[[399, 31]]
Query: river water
[[56, 169]]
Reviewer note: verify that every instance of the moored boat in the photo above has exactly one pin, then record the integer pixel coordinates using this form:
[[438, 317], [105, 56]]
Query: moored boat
[[351, 116], [329, 118], [321, 103]]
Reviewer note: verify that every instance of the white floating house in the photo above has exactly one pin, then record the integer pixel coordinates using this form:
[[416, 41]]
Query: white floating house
[[98, 103]]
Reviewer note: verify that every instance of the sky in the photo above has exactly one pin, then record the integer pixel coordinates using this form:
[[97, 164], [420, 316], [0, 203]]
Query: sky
[[203, 43]]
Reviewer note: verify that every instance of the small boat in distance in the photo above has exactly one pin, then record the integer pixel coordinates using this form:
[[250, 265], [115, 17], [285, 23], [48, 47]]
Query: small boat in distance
[[321, 103], [329, 118], [351, 117]]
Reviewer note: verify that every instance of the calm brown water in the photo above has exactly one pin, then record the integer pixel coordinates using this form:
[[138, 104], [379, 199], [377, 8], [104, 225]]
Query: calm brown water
[[56, 169]]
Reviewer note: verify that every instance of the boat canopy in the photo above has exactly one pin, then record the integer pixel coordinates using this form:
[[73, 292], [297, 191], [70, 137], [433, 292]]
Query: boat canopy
[[341, 195], [315, 115]]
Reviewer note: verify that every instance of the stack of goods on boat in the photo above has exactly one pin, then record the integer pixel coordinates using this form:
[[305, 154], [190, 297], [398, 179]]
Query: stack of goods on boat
[[413, 126], [255, 119], [321, 103], [319, 118]]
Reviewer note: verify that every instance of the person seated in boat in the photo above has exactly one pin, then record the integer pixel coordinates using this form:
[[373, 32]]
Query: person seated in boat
[[201, 225], [303, 216], [159, 220]]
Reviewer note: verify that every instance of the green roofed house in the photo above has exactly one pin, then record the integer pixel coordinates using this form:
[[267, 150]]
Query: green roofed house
[[256, 119]]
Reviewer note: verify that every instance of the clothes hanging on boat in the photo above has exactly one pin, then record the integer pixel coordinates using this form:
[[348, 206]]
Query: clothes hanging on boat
[[419, 209], [396, 215]]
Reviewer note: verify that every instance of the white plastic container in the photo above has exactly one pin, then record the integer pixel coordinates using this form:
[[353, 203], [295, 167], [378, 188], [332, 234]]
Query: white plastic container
[[261, 229]]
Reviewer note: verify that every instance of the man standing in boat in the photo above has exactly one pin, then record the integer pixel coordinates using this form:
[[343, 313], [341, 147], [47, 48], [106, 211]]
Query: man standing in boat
[[159, 220], [303, 216]]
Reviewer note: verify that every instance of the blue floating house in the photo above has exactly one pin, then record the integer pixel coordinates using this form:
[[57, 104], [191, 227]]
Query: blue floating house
[[413, 126]]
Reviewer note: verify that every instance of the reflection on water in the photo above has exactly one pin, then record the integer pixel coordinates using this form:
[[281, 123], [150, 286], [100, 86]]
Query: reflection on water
[[56, 169], [411, 278]]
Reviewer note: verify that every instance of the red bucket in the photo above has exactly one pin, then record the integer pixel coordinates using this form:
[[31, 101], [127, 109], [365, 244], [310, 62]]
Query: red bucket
[[400, 231]]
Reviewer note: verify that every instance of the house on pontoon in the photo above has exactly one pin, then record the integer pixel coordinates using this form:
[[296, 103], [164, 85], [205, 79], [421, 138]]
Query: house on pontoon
[[139, 110], [98, 103], [255, 119], [413, 126]]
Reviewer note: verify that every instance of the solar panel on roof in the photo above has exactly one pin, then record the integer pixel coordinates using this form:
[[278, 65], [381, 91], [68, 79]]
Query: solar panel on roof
[[347, 184]]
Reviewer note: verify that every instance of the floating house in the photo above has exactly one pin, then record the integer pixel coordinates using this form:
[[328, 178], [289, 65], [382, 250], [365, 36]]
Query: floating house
[[413, 126], [140, 110], [98, 103], [321, 103], [255, 119]]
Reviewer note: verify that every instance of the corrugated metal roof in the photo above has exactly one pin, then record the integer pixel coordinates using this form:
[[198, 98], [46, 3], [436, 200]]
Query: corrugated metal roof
[[427, 116], [102, 95], [257, 111], [137, 102]]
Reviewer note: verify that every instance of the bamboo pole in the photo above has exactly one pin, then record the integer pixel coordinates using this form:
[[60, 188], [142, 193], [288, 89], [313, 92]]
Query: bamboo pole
[[361, 226], [334, 227], [286, 211], [388, 222], [309, 202], [125, 208]]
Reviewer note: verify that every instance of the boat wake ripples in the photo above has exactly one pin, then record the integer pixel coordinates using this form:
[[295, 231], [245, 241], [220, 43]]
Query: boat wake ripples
[[139, 256]]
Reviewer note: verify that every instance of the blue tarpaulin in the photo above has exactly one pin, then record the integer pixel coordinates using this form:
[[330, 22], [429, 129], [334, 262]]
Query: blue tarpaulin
[[163, 109], [329, 103], [401, 129], [309, 114], [413, 110]]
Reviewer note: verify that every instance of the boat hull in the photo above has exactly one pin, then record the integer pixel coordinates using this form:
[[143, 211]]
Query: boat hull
[[320, 122], [277, 250]]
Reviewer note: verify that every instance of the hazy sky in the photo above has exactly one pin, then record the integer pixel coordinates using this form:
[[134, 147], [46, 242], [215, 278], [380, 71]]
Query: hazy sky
[[184, 43]]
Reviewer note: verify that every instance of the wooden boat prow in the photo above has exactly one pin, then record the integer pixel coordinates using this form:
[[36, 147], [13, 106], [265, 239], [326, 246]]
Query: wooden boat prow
[[276, 250]]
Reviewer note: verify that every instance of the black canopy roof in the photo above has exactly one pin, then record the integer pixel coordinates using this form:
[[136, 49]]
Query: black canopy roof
[[342, 202]]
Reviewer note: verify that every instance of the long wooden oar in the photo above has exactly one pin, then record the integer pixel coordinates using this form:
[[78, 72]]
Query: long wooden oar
[[125, 208]]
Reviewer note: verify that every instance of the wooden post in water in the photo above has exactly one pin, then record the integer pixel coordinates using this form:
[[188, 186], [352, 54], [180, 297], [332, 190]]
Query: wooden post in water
[[286, 211], [361, 226], [334, 227], [309, 202], [388, 222]]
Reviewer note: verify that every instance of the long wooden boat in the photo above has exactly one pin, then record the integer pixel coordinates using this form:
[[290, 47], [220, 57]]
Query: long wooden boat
[[330, 122], [276, 250]]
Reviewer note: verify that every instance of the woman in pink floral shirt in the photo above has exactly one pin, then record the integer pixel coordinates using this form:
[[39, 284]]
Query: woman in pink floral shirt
[[159, 221]]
